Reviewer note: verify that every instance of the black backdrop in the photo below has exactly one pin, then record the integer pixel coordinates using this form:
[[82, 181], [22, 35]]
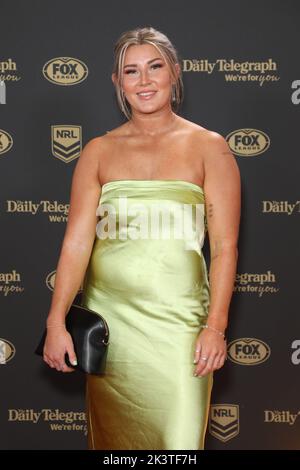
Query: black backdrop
[[253, 94]]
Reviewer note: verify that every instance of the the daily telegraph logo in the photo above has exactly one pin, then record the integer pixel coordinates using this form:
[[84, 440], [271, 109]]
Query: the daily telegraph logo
[[66, 142], [248, 351], [56, 419], [233, 71], [11, 283], [248, 142], [8, 71], [224, 421], [280, 207], [57, 212], [281, 416], [65, 71], [6, 141], [7, 351], [256, 283]]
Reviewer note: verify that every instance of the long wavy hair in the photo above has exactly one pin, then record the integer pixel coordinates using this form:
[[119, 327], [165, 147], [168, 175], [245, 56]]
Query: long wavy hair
[[147, 35]]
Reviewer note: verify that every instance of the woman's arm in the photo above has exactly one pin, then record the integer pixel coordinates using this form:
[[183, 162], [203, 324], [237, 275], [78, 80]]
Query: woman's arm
[[75, 252], [222, 188]]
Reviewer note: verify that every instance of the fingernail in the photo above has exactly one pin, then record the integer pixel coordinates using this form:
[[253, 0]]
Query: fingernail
[[195, 361], [74, 363], [195, 374]]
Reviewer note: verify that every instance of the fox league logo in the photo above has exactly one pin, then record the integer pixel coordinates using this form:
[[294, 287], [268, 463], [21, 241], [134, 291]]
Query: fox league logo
[[248, 142], [65, 71], [7, 351], [6, 141]]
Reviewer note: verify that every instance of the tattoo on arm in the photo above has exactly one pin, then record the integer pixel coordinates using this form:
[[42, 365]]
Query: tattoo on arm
[[210, 210], [213, 254]]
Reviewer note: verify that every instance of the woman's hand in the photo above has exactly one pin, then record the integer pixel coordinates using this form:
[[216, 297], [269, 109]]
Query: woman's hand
[[210, 352], [58, 343]]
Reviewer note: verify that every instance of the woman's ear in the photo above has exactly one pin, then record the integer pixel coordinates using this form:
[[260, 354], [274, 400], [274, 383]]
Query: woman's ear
[[114, 78], [177, 68]]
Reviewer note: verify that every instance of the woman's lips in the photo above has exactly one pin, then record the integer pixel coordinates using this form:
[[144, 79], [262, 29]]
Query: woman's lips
[[146, 96]]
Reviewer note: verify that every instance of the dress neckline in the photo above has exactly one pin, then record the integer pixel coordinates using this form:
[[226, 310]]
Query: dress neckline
[[161, 181]]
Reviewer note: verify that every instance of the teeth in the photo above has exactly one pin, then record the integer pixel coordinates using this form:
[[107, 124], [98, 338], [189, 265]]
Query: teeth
[[146, 94]]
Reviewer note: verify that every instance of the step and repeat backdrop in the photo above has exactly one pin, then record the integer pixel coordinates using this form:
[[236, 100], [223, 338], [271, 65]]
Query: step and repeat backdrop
[[241, 72]]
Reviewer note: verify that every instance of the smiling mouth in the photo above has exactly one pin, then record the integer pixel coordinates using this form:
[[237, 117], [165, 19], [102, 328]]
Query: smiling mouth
[[146, 95]]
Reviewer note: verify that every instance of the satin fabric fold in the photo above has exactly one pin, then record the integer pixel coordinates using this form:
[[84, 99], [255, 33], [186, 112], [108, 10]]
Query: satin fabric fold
[[154, 294]]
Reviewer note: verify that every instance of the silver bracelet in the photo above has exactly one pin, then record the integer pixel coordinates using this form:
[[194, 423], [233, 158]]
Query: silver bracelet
[[214, 329]]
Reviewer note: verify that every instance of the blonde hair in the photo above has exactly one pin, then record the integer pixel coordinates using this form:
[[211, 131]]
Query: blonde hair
[[146, 35]]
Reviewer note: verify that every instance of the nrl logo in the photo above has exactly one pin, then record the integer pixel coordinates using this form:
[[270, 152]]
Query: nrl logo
[[224, 421], [66, 142]]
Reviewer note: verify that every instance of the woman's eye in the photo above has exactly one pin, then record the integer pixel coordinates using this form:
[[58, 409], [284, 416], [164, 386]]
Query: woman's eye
[[153, 66]]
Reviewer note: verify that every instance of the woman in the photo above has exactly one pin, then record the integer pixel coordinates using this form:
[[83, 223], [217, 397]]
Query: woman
[[167, 321]]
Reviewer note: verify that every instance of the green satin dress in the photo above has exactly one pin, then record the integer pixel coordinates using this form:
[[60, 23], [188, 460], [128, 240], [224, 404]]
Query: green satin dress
[[154, 293]]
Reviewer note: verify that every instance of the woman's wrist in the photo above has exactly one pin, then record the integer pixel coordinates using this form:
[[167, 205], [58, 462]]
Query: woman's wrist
[[55, 322], [55, 325], [215, 330], [218, 321]]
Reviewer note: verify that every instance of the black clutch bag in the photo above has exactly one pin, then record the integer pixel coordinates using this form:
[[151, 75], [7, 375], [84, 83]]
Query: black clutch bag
[[90, 335]]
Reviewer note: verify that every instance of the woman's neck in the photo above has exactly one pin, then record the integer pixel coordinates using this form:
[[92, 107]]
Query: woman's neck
[[152, 124]]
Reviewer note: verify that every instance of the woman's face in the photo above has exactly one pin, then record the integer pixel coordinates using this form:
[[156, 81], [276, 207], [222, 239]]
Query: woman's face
[[146, 79]]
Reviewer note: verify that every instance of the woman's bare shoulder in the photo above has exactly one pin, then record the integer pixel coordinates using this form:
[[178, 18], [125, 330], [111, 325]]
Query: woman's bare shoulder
[[213, 144], [200, 132], [101, 142], [117, 131]]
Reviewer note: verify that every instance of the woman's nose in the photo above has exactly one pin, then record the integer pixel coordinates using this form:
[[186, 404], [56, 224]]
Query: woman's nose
[[144, 79]]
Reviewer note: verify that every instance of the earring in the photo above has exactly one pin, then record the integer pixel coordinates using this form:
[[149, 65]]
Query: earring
[[173, 94]]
